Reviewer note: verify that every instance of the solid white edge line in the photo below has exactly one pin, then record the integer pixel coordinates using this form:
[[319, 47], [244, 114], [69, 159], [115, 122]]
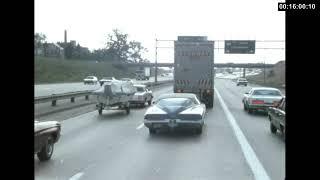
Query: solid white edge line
[[140, 126], [76, 176], [256, 167]]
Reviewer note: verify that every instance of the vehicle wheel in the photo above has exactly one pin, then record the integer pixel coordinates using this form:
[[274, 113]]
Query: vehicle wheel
[[100, 111], [152, 131], [210, 102], [47, 150], [237, 84], [199, 130], [128, 110], [149, 102], [250, 111], [245, 107], [273, 129], [245, 85]]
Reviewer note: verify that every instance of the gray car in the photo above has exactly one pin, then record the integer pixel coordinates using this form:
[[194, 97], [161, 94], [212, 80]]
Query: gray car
[[260, 98], [142, 96]]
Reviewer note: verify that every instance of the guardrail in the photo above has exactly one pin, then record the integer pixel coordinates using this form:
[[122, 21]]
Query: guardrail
[[72, 95]]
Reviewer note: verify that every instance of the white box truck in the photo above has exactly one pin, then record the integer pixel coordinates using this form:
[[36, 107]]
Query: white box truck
[[143, 74], [193, 67]]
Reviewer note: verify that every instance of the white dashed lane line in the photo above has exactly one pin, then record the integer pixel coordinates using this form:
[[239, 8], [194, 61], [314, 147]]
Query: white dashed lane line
[[140, 126]]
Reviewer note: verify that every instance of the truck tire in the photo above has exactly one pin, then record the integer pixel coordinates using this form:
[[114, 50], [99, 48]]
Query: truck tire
[[210, 102], [100, 111], [149, 102], [47, 150], [199, 130], [152, 131], [273, 129], [128, 110], [245, 107]]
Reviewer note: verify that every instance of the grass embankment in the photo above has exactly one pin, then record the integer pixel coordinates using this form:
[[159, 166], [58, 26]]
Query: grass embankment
[[275, 77], [53, 70]]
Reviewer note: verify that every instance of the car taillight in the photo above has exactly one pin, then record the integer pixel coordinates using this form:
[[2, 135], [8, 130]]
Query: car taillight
[[257, 102]]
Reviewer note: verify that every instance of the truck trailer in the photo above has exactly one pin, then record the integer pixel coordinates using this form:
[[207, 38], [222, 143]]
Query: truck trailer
[[193, 67]]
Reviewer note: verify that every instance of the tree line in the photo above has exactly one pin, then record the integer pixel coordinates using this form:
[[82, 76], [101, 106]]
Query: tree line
[[117, 48]]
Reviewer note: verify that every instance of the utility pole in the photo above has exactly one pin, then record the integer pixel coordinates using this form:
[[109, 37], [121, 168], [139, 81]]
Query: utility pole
[[156, 65], [264, 72]]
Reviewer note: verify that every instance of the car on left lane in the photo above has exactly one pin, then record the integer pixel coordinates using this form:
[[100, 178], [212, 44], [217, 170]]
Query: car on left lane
[[90, 80], [46, 134], [106, 79], [175, 111], [142, 95]]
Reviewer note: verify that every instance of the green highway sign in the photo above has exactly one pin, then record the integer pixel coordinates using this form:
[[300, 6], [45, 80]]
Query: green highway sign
[[239, 47]]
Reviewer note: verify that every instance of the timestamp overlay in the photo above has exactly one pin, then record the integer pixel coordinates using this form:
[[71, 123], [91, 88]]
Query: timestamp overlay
[[297, 6]]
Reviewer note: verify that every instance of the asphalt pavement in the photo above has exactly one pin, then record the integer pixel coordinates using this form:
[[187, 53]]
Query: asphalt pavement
[[58, 88], [118, 146]]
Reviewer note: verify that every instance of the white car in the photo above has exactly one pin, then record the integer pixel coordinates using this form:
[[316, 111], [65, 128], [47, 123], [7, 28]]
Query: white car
[[106, 79], [127, 79], [142, 95], [90, 80], [242, 81], [261, 98]]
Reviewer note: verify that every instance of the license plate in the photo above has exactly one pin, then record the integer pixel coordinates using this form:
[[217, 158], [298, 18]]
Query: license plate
[[172, 123], [157, 125]]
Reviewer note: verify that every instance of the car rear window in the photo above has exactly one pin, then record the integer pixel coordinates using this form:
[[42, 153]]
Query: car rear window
[[266, 93], [184, 102], [140, 89]]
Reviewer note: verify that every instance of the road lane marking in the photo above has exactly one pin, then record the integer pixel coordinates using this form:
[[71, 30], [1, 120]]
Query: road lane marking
[[256, 167], [76, 176], [140, 126]]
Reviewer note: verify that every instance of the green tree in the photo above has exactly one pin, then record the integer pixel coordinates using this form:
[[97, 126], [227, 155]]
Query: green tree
[[120, 49], [39, 40]]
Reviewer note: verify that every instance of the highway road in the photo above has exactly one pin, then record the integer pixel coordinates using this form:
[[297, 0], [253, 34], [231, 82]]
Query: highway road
[[234, 145], [49, 89]]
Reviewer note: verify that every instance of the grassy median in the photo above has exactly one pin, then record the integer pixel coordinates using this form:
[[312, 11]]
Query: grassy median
[[53, 70]]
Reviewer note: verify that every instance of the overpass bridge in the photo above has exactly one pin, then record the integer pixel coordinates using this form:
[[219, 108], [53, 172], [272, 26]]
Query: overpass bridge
[[217, 65]]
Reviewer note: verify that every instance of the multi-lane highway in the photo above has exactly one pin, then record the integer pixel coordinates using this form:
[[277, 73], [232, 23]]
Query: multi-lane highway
[[49, 89], [234, 145]]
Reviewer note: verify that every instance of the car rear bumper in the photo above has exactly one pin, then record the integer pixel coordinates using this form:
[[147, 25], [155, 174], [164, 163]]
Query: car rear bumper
[[136, 101], [260, 107], [178, 124]]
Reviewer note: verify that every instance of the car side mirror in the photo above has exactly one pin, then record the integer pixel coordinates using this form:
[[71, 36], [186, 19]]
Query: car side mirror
[[153, 102]]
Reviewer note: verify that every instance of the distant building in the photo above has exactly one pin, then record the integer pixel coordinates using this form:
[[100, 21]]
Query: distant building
[[53, 50]]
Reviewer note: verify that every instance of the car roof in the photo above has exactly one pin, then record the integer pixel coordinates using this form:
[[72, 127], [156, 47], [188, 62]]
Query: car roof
[[264, 88], [177, 95], [139, 85]]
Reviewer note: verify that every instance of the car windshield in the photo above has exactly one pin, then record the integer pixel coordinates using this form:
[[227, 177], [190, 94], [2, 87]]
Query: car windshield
[[175, 102], [266, 93], [242, 80], [140, 89], [107, 78], [89, 77]]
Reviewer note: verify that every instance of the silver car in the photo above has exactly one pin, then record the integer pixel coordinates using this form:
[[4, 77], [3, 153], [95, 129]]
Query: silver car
[[261, 98], [176, 111], [126, 79], [142, 95], [106, 79]]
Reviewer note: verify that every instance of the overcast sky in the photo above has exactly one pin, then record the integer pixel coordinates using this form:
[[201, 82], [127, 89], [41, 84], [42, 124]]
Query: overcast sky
[[89, 21]]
